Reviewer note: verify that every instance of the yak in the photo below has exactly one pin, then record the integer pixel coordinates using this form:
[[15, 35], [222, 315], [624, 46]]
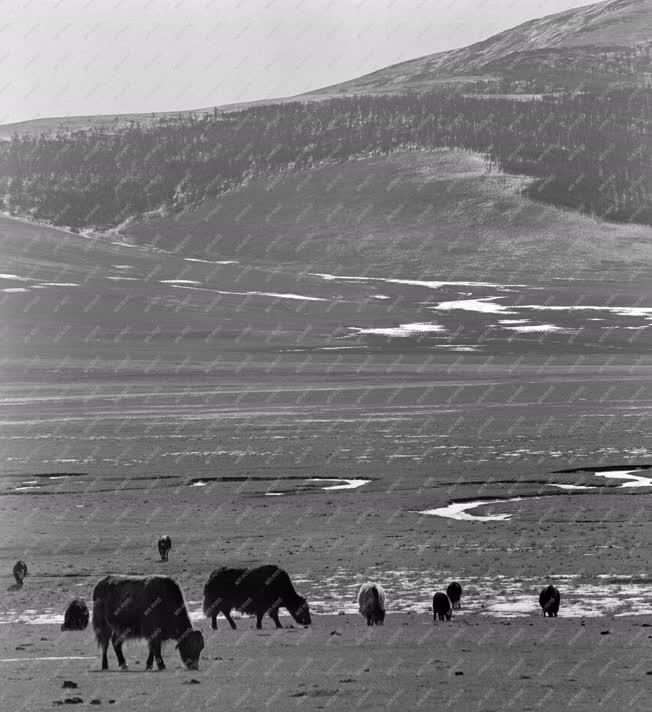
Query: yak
[[20, 571], [549, 599], [454, 592], [76, 617], [150, 607], [164, 546], [371, 602], [254, 591], [441, 606]]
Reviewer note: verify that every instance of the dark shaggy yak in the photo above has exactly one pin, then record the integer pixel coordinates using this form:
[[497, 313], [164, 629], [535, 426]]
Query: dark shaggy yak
[[549, 599], [454, 592], [441, 606], [164, 546], [76, 617], [255, 591], [371, 602], [20, 571], [150, 607]]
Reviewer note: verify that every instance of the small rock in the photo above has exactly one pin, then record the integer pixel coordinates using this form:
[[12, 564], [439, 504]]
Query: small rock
[[96, 702], [70, 684], [191, 682], [605, 632], [335, 632], [459, 672], [73, 701]]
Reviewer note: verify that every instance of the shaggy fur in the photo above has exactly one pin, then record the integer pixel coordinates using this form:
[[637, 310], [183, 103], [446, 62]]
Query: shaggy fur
[[371, 601], [150, 607], [441, 606], [255, 591]]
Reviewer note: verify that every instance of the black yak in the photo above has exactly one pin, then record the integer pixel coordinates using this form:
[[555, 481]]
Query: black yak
[[454, 592], [20, 571], [253, 591], [371, 602], [441, 606], [549, 601], [76, 617], [164, 546], [150, 607]]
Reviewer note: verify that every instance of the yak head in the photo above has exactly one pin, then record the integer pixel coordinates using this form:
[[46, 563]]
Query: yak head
[[190, 646], [300, 611]]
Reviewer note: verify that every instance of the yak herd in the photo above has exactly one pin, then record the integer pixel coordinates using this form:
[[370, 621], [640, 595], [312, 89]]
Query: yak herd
[[153, 607]]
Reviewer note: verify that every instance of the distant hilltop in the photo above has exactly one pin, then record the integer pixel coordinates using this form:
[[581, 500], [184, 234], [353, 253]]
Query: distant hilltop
[[596, 45]]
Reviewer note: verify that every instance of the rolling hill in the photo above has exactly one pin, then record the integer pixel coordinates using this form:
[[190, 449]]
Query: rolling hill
[[408, 213], [601, 44]]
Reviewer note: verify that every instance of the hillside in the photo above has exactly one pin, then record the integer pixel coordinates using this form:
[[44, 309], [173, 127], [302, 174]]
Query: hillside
[[99, 179], [408, 213], [608, 41], [602, 44]]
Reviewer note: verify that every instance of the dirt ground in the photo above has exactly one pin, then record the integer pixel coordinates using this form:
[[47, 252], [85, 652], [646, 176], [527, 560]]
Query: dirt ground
[[338, 663], [200, 391]]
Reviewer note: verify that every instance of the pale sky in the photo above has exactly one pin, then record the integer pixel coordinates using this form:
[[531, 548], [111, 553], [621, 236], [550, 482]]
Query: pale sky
[[71, 57]]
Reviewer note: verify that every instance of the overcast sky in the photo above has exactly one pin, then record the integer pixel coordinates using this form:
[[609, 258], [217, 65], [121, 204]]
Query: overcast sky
[[70, 57]]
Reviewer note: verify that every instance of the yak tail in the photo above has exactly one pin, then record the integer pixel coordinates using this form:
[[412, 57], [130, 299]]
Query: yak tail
[[100, 625], [209, 606], [374, 590]]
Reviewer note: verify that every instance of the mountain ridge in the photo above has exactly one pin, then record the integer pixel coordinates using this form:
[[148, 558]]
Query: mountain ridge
[[608, 25], [601, 44]]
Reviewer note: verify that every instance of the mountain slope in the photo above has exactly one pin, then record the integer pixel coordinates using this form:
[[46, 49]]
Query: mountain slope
[[616, 27], [603, 43], [409, 212]]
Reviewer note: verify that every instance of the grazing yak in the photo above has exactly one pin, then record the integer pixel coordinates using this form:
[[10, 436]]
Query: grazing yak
[[149, 607], [253, 591], [549, 601], [454, 592], [371, 601], [76, 617], [441, 606], [164, 546], [20, 571]]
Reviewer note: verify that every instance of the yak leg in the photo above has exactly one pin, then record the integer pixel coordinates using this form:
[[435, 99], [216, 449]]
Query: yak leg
[[156, 644], [369, 619], [273, 614], [105, 658], [227, 615], [150, 657], [103, 637], [259, 620], [117, 647]]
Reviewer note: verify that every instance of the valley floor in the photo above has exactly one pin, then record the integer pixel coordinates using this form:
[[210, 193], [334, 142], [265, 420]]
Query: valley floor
[[339, 663], [264, 400]]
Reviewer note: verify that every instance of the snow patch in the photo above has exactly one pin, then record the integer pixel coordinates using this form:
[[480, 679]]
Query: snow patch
[[459, 510], [486, 305], [400, 331]]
